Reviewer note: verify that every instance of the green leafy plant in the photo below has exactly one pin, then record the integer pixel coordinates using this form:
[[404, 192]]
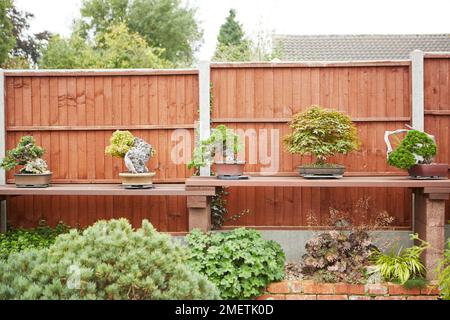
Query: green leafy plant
[[121, 143], [322, 133], [416, 148], [240, 263], [17, 240], [443, 272], [109, 260], [335, 256], [401, 265], [221, 141], [26, 154]]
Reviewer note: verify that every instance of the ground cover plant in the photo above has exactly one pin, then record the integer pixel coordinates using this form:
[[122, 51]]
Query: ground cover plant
[[239, 262], [17, 240], [109, 260]]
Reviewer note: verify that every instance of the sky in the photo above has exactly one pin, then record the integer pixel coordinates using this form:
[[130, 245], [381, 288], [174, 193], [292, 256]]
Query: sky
[[280, 16]]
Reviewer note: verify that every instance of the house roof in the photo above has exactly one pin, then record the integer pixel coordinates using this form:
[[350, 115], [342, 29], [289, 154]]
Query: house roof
[[356, 47]]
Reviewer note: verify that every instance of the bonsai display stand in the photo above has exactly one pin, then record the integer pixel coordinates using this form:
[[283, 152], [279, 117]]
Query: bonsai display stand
[[429, 201]]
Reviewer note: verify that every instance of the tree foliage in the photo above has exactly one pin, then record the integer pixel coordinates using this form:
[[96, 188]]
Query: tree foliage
[[7, 40], [115, 48], [322, 133], [164, 24], [109, 260]]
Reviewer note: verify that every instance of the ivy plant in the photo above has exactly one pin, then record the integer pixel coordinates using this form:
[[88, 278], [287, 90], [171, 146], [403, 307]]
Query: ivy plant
[[26, 154], [239, 262], [322, 133], [416, 148]]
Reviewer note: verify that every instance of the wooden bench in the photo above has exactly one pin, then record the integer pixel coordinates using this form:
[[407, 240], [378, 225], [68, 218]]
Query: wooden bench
[[193, 196], [429, 201]]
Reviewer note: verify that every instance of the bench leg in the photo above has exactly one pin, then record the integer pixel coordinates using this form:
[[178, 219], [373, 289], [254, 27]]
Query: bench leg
[[199, 213], [429, 223], [3, 216]]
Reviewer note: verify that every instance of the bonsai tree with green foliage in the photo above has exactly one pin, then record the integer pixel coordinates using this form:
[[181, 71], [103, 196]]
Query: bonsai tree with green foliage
[[416, 148], [221, 141], [28, 155], [322, 133], [108, 261]]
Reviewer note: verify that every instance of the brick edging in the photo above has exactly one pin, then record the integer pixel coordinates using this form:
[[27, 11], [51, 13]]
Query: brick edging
[[311, 290]]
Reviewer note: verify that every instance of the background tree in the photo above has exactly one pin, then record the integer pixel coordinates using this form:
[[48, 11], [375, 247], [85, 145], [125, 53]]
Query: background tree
[[232, 44], [116, 47], [6, 27], [164, 24]]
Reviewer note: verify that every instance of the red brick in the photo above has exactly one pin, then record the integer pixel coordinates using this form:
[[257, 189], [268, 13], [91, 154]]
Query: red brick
[[376, 289], [359, 298], [430, 290], [318, 288], [423, 298], [397, 289], [332, 297], [296, 286], [390, 298], [348, 288], [301, 297], [278, 287], [272, 297]]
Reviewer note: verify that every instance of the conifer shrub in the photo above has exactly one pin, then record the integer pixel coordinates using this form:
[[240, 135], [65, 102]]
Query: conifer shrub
[[239, 262], [109, 260]]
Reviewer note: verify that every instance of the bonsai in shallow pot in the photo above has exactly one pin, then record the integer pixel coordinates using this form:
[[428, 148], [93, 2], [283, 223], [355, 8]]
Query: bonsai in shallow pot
[[321, 133], [415, 153], [221, 148], [136, 153], [34, 172]]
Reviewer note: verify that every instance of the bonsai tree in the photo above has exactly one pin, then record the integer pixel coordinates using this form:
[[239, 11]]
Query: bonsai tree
[[322, 133], [416, 148], [135, 151], [28, 155], [221, 141]]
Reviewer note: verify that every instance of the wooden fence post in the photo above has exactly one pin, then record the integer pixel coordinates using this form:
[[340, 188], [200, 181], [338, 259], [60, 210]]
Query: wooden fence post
[[2, 149], [205, 108], [417, 85]]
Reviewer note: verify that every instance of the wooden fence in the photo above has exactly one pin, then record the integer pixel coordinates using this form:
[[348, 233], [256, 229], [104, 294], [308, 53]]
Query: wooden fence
[[72, 114]]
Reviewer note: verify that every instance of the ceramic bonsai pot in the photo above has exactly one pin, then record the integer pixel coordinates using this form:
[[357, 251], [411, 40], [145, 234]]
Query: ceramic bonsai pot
[[326, 172], [230, 169], [137, 180], [32, 180], [429, 171]]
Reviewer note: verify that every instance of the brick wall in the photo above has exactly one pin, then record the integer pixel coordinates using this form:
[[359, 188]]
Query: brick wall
[[310, 290]]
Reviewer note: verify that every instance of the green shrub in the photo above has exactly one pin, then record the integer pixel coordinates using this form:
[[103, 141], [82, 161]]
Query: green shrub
[[402, 266], [17, 240], [444, 274], [240, 263], [121, 143], [322, 133], [416, 147], [335, 256], [109, 260]]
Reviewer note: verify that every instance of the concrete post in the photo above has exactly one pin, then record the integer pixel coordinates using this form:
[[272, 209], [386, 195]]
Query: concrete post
[[417, 93], [205, 108]]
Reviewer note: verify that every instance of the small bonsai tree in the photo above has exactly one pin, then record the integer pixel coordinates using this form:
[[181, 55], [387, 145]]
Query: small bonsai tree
[[322, 133], [109, 260], [135, 151], [28, 155], [221, 141], [416, 148]]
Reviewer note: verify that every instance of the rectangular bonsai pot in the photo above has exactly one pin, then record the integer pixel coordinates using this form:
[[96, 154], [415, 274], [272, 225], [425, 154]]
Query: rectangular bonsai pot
[[32, 180], [232, 169], [430, 171]]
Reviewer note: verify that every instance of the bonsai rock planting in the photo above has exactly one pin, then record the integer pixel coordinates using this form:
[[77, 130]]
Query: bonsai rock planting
[[34, 173], [322, 133], [416, 153], [136, 153]]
